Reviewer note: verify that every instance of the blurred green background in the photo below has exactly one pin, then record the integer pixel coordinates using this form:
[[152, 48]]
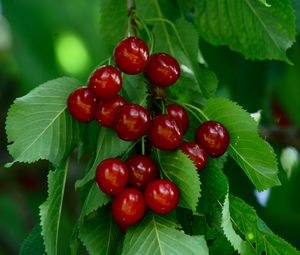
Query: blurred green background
[[42, 40]]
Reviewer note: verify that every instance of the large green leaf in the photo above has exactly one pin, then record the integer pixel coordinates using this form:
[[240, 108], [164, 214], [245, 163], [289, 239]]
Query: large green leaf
[[256, 233], [178, 167], [109, 145], [248, 26], [50, 210], [100, 233], [156, 235], [254, 155], [38, 125], [33, 244]]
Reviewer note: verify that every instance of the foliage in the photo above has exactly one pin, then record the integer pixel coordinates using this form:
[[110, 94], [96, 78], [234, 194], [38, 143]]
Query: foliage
[[208, 220]]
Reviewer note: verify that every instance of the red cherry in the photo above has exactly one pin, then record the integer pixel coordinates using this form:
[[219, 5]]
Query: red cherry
[[195, 153], [142, 170], [131, 55], [131, 122], [162, 196], [107, 109], [164, 133], [112, 176], [82, 104], [105, 82], [180, 115], [213, 137], [162, 70], [123, 227], [128, 207]]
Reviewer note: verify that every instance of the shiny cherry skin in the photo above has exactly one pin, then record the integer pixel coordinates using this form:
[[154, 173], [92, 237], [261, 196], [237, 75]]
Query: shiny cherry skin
[[112, 176], [196, 153], [105, 82], [180, 115], [107, 109], [162, 70], [213, 137], [142, 170], [162, 196], [131, 122], [131, 55], [164, 133], [82, 104], [128, 207]]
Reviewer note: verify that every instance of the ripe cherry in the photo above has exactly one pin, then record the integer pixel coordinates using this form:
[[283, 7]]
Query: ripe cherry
[[213, 137], [131, 55], [112, 176], [131, 122], [195, 153], [180, 115], [82, 104], [162, 196], [107, 109], [164, 133], [162, 70], [128, 207], [105, 82], [142, 170]]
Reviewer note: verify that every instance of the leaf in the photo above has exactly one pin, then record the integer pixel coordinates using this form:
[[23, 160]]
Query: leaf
[[100, 233], [50, 210], [156, 235], [39, 126], [113, 22], [256, 233], [33, 244], [109, 145], [248, 26], [178, 168], [254, 155]]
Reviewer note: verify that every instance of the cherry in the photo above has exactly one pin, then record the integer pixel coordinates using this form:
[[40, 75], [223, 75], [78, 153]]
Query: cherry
[[105, 82], [162, 70], [164, 133], [180, 115], [107, 109], [128, 207], [213, 137], [82, 104], [131, 55], [196, 153], [112, 176], [131, 122], [162, 196], [142, 170]]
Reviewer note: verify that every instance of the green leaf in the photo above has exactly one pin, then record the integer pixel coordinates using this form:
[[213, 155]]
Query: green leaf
[[50, 210], [178, 168], [109, 145], [33, 244], [100, 233], [248, 26], [254, 155], [156, 235], [256, 233], [39, 126], [113, 22]]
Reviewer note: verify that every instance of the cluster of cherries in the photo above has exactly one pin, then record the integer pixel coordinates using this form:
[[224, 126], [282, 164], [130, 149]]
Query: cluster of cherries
[[134, 183]]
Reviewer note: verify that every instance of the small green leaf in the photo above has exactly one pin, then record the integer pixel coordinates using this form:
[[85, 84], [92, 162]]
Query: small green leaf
[[100, 233], [156, 235], [248, 26], [33, 244], [109, 145], [254, 155], [256, 233], [50, 210], [178, 167], [38, 125]]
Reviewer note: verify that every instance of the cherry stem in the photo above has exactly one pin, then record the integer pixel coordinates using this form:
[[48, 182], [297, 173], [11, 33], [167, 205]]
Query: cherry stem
[[163, 107], [143, 145]]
